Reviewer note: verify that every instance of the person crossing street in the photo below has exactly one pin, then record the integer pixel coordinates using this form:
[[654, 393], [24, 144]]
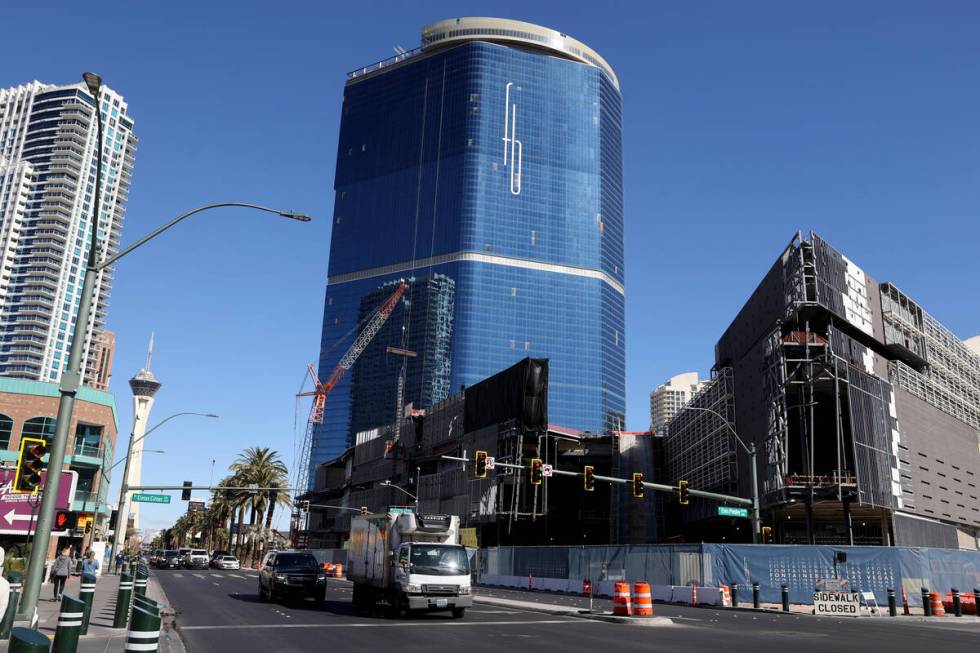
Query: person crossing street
[[60, 572]]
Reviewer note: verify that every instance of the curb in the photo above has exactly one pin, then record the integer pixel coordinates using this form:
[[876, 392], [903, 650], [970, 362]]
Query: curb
[[574, 612], [170, 641]]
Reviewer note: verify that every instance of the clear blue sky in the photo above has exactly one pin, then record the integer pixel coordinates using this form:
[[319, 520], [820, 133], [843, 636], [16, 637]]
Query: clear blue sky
[[744, 121]]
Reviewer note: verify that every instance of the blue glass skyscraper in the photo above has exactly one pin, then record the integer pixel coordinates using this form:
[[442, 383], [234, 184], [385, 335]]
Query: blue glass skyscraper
[[489, 160]]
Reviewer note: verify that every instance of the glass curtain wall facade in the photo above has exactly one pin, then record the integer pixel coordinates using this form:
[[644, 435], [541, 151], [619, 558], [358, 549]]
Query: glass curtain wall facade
[[498, 168]]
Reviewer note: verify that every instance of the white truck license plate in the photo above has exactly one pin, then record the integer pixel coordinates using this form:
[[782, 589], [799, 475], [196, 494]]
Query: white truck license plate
[[441, 603]]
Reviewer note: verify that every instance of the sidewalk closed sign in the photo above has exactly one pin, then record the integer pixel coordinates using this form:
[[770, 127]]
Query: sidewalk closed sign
[[837, 604]]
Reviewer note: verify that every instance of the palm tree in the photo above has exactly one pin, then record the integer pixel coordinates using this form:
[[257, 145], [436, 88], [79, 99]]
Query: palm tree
[[262, 467]]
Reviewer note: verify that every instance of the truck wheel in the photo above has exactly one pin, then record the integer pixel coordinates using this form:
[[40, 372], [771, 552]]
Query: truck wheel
[[458, 613]]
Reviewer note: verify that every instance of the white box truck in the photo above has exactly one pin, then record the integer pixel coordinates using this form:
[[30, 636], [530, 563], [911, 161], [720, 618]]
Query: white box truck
[[405, 561]]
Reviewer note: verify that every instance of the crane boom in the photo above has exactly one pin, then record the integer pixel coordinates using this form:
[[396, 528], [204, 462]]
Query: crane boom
[[321, 390]]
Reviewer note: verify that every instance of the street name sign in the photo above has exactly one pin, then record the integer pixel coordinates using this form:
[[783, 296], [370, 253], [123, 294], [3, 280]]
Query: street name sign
[[152, 498], [18, 512], [837, 604], [731, 511]]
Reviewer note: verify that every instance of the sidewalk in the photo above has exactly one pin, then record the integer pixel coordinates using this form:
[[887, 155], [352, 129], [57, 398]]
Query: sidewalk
[[102, 637]]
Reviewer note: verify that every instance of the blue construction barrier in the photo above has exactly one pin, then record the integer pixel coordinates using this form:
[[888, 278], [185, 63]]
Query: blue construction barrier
[[800, 567]]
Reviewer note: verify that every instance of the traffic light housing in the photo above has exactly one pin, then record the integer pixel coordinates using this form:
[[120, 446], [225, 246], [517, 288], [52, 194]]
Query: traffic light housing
[[588, 478], [27, 479], [767, 534], [65, 520], [537, 473], [682, 493], [304, 505], [481, 464], [638, 485], [185, 495]]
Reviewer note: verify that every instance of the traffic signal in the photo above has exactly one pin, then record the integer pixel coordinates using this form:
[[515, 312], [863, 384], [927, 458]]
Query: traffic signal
[[767, 534], [638, 485], [588, 478], [537, 474], [364, 510], [304, 506], [481, 464], [65, 520], [682, 496], [88, 527], [27, 480], [185, 495]]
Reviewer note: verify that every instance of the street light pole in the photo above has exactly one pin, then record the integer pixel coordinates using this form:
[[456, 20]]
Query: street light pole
[[750, 449], [71, 378], [413, 496], [122, 511]]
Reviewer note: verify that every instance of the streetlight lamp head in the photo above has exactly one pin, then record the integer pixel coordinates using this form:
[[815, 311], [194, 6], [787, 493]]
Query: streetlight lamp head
[[93, 81], [210, 415], [295, 216]]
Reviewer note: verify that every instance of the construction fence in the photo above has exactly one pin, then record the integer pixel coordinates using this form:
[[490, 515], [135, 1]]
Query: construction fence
[[676, 567]]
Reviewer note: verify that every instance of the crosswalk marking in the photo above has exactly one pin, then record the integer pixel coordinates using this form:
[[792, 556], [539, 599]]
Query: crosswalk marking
[[178, 575], [201, 576], [215, 575], [237, 576]]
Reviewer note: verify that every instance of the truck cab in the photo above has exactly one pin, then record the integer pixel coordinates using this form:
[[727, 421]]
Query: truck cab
[[433, 576]]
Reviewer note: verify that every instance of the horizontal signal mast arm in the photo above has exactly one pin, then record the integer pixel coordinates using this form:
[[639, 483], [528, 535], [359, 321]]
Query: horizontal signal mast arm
[[624, 481]]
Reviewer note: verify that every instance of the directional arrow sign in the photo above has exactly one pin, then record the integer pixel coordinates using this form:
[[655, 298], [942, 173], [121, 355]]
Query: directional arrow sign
[[18, 512]]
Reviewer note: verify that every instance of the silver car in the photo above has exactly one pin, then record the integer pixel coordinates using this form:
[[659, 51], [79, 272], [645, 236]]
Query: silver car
[[227, 562]]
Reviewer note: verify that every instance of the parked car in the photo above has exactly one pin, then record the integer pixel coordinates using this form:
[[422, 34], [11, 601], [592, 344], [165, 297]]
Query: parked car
[[293, 574], [169, 560], [196, 559], [226, 562], [217, 555]]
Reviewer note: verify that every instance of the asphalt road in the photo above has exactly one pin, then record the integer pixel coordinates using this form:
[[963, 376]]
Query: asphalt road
[[219, 611]]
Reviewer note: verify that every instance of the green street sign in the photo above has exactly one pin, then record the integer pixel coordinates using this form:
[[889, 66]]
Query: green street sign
[[729, 511], [152, 498]]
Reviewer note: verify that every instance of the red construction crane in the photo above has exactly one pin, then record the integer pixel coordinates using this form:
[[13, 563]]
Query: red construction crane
[[322, 389]]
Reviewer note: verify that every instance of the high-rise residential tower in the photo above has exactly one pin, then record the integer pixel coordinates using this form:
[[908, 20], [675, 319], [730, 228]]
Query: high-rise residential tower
[[489, 159], [47, 184], [670, 397]]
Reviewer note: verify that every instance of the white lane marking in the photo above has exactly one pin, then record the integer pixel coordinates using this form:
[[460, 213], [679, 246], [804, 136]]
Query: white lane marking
[[426, 624], [215, 584], [237, 576], [176, 575], [216, 576], [201, 576]]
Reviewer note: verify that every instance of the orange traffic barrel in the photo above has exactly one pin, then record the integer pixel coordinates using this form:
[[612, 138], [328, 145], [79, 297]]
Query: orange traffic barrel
[[936, 602], [338, 570], [621, 599], [642, 600], [726, 596], [968, 603], [328, 567]]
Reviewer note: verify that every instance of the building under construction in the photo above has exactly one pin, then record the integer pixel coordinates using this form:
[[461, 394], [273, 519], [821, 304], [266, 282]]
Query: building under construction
[[506, 416], [864, 408]]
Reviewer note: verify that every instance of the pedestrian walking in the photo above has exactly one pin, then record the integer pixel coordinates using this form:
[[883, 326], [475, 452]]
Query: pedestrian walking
[[119, 560], [90, 565], [60, 572]]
